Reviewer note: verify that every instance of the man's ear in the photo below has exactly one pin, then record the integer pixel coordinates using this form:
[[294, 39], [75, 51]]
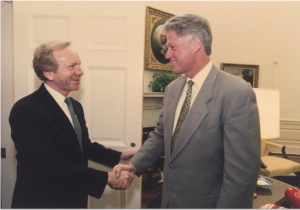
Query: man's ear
[[196, 44], [48, 75]]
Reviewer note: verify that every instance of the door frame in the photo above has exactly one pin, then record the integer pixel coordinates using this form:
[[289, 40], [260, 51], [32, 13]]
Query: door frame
[[8, 163]]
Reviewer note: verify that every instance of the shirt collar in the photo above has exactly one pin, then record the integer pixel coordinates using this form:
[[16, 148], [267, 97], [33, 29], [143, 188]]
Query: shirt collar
[[201, 76], [58, 97]]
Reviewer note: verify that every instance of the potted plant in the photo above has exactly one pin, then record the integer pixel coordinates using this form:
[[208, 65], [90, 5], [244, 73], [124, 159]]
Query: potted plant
[[161, 80]]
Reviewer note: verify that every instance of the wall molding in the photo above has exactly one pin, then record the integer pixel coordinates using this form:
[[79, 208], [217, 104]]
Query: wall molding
[[290, 124], [289, 136]]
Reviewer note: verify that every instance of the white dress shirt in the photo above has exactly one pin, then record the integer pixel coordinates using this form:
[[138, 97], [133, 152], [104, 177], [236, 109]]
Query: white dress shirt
[[60, 99], [198, 82]]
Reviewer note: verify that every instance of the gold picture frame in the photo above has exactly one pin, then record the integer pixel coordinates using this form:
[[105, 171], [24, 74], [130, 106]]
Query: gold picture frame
[[247, 72], [155, 40]]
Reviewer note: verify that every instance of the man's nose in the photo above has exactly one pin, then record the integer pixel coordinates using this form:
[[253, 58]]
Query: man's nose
[[79, 71], [168, 54]]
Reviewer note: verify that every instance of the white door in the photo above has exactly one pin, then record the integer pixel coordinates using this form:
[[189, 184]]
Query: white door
[[109, 38]]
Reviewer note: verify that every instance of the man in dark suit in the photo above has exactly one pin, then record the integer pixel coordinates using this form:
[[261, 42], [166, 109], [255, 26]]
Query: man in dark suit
[[208, 130], [52, 141]]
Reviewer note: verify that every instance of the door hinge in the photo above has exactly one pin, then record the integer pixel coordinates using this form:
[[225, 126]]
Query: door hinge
[[3, 152]]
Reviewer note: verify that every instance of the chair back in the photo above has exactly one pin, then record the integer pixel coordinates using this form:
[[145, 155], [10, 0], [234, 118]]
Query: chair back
[[264, 149]]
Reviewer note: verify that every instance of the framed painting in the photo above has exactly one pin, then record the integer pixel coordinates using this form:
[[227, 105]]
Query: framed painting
[[156, 40], [247, 72]]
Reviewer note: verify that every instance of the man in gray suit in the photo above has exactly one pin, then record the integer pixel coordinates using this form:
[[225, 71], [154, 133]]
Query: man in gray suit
[[208, 129]]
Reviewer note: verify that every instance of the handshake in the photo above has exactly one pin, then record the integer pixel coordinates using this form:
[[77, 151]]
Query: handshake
[[121, 176]]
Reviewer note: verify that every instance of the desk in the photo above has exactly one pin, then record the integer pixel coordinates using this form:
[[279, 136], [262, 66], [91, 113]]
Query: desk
[[272, 195]]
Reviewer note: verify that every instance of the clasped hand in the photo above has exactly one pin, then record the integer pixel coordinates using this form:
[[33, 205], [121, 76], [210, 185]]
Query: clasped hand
[[121, 176]]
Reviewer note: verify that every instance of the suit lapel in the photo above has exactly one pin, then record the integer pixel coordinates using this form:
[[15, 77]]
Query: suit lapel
[[59, 117], [196, 114]]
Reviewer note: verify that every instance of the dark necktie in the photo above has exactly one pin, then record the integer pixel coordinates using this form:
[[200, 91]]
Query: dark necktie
[[184, 110], [75, 120]]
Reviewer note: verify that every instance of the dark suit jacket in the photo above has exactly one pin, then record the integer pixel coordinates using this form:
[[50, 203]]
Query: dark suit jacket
[[216, 159], [51, 170]]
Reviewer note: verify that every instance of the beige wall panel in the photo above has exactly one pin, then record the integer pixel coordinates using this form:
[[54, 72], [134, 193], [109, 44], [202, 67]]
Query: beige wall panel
[[42, 26], [107, 88], [107, 32]]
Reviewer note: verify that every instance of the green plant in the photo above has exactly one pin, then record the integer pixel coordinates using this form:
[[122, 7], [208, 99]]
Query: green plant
[[161, 80]]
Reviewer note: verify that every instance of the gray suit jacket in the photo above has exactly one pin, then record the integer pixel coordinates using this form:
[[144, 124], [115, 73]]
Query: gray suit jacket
[[216, 160]]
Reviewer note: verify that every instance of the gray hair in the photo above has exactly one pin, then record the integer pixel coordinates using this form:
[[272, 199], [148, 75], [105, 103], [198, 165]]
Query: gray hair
[[190, 26], [43, 59]]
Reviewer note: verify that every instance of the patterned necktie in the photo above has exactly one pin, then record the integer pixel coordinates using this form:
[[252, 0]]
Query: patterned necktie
[[75, 120], [184, 110]]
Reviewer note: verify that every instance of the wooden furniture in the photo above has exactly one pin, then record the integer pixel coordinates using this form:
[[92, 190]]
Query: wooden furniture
[[272, 195], [148, 197]]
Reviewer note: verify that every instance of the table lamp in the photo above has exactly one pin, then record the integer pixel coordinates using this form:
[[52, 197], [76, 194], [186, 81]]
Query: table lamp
[[269, 112], [268, 108]]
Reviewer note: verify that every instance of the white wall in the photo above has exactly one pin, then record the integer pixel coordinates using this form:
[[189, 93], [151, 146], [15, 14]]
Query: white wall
[[259, 33]]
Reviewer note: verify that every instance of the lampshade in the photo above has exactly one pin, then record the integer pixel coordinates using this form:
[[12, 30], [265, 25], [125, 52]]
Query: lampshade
[[269, 112]]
